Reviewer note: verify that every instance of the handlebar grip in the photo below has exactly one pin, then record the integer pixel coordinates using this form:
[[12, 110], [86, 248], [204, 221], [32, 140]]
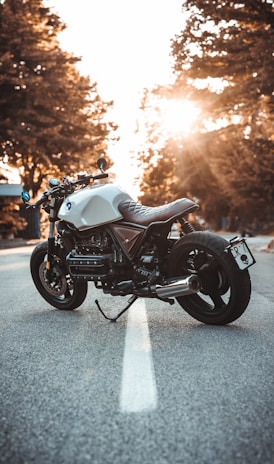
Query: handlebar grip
[[101, 176], [39, 202]]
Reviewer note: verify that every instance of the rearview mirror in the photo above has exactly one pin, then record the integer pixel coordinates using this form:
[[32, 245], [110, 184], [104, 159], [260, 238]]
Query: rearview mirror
[[102, 164], [25, 197]]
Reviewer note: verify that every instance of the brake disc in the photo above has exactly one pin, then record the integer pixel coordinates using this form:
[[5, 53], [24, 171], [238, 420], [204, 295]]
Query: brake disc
[[57, 285]]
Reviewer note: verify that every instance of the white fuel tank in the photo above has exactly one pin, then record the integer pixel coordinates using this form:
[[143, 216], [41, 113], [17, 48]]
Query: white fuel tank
[[93, 206]]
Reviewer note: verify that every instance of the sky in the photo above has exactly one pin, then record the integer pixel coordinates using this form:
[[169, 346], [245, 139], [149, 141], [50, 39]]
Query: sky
[[124, 46]]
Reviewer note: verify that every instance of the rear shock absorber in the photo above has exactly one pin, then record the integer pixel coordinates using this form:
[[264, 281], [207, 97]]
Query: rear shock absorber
[[186, 227]]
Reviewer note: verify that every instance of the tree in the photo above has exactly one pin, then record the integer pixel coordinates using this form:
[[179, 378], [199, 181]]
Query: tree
[[223, 62], [51, 118], [159, 183]]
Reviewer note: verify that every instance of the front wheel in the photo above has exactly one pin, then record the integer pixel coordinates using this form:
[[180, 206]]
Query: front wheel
[[59, 290], [225, 290]]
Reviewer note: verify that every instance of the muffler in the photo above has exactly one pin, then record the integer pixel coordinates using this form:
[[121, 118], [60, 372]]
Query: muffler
[[182, 286]]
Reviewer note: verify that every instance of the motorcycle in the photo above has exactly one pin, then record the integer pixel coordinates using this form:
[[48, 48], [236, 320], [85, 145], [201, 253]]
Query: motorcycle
[[99, 234]]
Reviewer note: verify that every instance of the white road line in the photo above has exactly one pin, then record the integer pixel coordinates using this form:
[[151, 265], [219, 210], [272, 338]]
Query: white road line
[[138, 389]]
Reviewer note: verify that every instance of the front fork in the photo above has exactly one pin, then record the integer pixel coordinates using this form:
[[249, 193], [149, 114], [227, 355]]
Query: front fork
[[51, 240]]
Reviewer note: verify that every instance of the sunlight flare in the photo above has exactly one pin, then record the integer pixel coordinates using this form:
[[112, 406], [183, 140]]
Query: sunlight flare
[[179, 116]]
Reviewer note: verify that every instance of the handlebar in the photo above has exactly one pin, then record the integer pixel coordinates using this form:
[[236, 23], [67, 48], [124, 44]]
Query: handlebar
[[86, 179], [101, 176], [43, 199], [65, 188]]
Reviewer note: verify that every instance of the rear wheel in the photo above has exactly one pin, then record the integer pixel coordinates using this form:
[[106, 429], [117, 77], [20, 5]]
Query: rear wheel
[[225, 290], [59, 290]]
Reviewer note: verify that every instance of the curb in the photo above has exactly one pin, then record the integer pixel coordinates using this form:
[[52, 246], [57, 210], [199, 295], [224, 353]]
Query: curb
[[270, 247], [16, 243]]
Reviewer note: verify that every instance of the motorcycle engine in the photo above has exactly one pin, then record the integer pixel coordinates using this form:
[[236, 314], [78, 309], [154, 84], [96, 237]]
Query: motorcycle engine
[[94, 257]]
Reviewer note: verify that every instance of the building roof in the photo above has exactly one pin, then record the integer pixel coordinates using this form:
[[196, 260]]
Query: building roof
[[10, 190]]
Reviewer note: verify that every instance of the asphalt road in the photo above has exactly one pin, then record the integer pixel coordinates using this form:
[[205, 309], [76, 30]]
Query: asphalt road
[[155, 387]]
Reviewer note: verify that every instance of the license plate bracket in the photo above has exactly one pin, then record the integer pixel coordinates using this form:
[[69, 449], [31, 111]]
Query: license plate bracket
[[241, 253]]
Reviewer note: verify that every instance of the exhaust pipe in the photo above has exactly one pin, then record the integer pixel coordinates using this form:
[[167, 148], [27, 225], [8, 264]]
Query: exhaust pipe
[[183, 286]]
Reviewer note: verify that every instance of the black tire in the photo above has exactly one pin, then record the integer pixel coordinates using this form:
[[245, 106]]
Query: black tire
[[61, 292], [225, 291]]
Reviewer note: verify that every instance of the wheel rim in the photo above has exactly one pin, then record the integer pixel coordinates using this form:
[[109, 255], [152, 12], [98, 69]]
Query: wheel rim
[[215, 293], [59, 286]]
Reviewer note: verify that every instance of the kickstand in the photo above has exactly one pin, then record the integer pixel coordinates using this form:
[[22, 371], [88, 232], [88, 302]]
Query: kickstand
[[114, 319]]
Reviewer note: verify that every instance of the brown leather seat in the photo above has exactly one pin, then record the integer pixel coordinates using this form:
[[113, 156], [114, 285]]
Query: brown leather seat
[[145, 215]]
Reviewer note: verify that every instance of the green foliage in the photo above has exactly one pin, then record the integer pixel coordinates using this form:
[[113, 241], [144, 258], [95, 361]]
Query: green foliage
[[52, 119], [223, 61]]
